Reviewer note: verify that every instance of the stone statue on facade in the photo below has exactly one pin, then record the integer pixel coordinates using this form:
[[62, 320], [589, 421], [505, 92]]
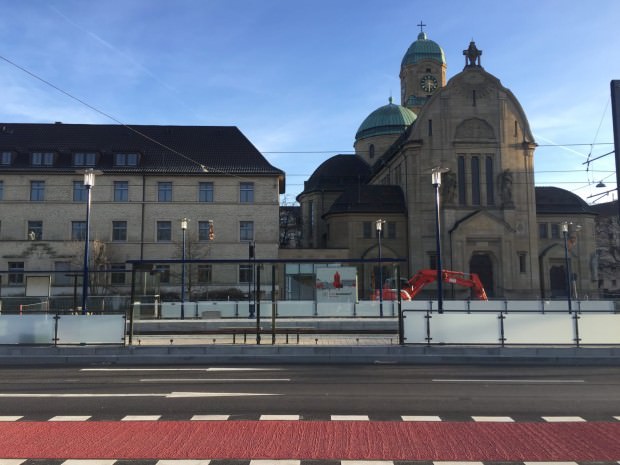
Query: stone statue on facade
[[505, 184]]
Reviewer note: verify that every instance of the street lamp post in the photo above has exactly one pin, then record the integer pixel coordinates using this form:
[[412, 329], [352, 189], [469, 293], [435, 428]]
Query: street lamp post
[[89, 182], [567, 267], [184, 229], [379, 226], [436, 180]]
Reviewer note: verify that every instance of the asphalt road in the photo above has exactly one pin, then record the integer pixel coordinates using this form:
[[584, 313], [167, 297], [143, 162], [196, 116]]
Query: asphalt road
[[315, 392]]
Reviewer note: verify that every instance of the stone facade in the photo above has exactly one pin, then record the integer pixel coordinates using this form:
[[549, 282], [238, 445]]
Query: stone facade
[[477, 132], [136, 211]]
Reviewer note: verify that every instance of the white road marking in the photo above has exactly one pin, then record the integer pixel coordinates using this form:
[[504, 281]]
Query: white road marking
[[182, 462], [10, 418], [88, 462], [12, 461], [210, 417], [550, 463], [458, 463], [562, 419], [213, 380], [350, 417], [493, 419], [512, 381], [420, 418], [218, 394], [181, 369], [161, 394], [366, 462], [275, 462], [141, 418], [69, 418], [279, 417]]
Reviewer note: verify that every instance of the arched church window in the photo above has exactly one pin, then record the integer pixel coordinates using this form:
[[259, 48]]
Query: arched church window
[[371, 151], [490, 177]]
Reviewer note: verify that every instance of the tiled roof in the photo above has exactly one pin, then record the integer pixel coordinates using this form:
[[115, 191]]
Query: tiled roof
[[556, 200], [606, 209], [337, 173], [370, 198], [162, 149]]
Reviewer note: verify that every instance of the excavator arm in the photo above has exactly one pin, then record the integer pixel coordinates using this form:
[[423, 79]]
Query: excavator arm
[[424, 277]]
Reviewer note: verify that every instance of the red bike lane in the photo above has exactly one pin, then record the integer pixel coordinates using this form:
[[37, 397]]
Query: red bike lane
[[320, 440]]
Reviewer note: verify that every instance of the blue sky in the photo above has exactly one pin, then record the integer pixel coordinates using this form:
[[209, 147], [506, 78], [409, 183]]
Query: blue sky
[[299, 76]]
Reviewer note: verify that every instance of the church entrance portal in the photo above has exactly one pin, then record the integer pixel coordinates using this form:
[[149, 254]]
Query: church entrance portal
[[482, 265], [557, 281]]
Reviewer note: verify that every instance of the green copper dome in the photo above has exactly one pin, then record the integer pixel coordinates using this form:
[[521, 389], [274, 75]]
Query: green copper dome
[[423, 49], [388, 119]]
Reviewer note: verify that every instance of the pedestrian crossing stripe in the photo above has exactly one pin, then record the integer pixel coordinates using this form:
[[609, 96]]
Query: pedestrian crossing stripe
[[301, 417]]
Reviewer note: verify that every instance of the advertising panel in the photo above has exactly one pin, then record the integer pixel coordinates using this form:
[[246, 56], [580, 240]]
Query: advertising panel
[[336, 284]]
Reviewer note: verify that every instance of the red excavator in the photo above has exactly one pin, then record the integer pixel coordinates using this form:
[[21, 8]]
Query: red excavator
[[424, 277]]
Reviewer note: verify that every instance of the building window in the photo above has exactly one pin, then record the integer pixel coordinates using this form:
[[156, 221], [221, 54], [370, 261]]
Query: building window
[[461, 180], [79, 191], [117, 273], [119, 230], [475, 181], [205, 231], [84, 159], [246, 192], [310, 221], [164, 192], [42, 159], [205, 274], [391, 230], [62, 274], [246, 230], [1, 190], [430, 128], [35, 230], [522, 262], [555, 231], [121, 191], [125, 159], [432, 261], [367, 229], [164, 273], [16, 273], [7, 158], [543, 232], [37, 191], [164, 231], [205, 192], [246, 274], [78, 230], [371, 151], [489, 175]]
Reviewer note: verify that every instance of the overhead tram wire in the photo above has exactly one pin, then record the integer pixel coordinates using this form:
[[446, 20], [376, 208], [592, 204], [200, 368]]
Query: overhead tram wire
[[204, 168], [207, 169]]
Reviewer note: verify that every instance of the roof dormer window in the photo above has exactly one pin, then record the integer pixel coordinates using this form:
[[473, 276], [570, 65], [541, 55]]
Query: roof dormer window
[[125, 159], [6, 158], [84, 159], [42, 158]]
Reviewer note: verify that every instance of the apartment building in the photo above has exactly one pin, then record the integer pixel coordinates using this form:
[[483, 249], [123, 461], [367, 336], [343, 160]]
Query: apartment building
[[148, 179]]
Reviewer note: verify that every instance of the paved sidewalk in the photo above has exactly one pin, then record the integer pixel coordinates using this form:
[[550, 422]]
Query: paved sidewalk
[[225, 354]]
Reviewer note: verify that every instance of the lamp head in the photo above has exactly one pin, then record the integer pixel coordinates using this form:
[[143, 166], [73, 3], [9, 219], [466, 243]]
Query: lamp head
[[436, 175], [184, 222]]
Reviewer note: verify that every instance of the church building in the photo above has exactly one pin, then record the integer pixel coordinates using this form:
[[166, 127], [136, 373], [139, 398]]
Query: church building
[[473, 132]]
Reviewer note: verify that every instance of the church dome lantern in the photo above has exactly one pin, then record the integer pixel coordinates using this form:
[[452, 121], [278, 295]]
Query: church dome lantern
[[423, 49]]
